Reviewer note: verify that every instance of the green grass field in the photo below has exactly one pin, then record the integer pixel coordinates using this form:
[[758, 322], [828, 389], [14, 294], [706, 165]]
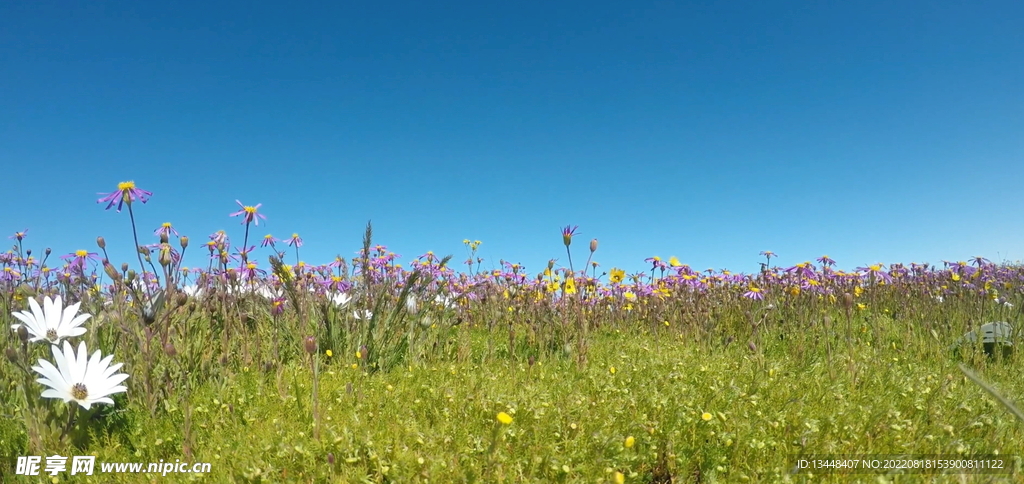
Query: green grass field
[[665, 405]]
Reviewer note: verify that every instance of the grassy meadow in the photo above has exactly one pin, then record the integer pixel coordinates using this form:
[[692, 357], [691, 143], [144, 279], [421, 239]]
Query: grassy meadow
[[364, 371]]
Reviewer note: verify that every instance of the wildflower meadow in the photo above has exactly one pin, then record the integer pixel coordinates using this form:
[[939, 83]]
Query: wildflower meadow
[[365, 368]]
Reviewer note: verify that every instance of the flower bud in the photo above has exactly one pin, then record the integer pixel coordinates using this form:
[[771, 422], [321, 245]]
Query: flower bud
[[593, 245], [130, 277], [170, 350], [47, 251], [184, 242], [124, 267], [752, 346], [11, 355], [101, 242], [23, 334], [364, 352], [330, 458], [165, 256], [164, 238], [310, 345], [847, 300], [111, 271], [28, 252], [144, 250]]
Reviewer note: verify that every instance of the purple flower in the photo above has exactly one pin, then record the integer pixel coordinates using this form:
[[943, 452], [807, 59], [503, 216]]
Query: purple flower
[[19, 236], [268, 240], [166, 229], [250, 214], [826, 260], [295, 241], [567, 234], [754, 293], [277, 306], [79, 258], [126, 192]]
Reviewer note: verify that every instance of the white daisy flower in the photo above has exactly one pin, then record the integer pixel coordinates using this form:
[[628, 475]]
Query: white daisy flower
[[192, 290], [75, 378], [363, 314], [340, 299], [53, 321]]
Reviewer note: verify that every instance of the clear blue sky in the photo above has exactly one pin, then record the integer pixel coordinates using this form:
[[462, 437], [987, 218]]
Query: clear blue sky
[[868, 131]]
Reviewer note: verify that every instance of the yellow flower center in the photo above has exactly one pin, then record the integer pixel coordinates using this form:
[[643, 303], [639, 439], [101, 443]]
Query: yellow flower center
[[166, 225], [128, 185], [81, 253], [250, 210], [79, 392]]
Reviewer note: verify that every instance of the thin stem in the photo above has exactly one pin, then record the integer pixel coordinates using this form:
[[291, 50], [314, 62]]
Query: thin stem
[[135, 235], [245, 243]]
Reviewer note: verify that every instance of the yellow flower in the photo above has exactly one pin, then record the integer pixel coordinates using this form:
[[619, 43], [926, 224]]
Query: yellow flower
[[359, 354], [330, 353], [570, 286], [629, 441], [504, 418], [955, 277], [794, 291], [672, 261], [862, 306], [706, 416], [620, 478], [857, 291], [616, 276], [611, 370]]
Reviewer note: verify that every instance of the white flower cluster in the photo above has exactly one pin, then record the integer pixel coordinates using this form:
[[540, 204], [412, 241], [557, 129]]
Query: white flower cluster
[[74, 376]]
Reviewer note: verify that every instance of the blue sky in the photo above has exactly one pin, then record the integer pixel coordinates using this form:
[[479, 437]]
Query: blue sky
[[868, 131]]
